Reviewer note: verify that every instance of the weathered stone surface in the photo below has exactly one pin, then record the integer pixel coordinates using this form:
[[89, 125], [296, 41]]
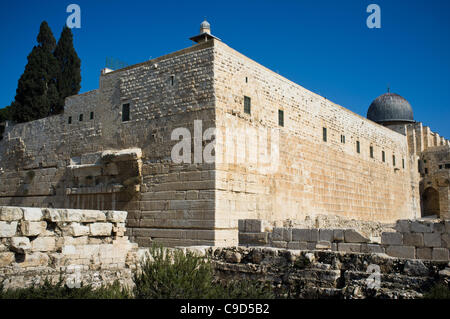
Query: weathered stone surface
[[372, 249], [32, 214], [279, 244], [233, 257], [413, 239], [32, 228], [77, 230], [10, 214], [432, 239], [326, 235], [43, 244], [403, 226], [301, 235], [323, 244], [440, 254], [20, 244], [424, 253], [445, 240], [349, 247], [33, 260], [297, 245], [116, 216], [282, 234], [338, 235], [388, 238], [8, 229], [6, 259], [352, 236], [421, 227], [253, 238], [401, 251], [415, 268], [100, 229]]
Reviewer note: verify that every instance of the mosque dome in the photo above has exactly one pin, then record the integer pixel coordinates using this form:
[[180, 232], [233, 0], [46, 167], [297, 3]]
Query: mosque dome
[[390, 108]]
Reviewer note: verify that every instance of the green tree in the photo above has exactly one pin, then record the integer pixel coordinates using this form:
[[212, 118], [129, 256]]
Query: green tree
[[36, 93], [69, 75]]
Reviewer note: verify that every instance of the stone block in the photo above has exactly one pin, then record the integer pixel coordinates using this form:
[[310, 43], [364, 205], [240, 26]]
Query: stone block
[[440, 254], [253, 238], [413, 239], [323, 245], [301, 234], [445, 240], [424, 253], [279, 244], [20, 245], [299, 245], [9, 214], [8, 229], [284, 234], [116, 216], [349, 247], [338, 235], [372, 249], [326, 235], [352, 236], [401, 251], [390, 238], [100, 229], [415, 268], [43, 244], [32, 228], [314, 235], [254, 225], [241, 225], [35, 259], [447, 226], [311, 245], [32, 214], [77, 230], [6, 259], [403, 226], [421, 227], [432, 239], [439, 227]]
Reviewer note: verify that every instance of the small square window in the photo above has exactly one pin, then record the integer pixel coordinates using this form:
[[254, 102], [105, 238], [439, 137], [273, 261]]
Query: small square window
[[69, 120], [358, 147], [280, 117], [426, 170], [247, 105], [447, 165], [91, 116], [343, 139], [172, 80], [383, 156], [440, 166], [403, 162], [246, 79], [393, 160], [371, 151], [81, 118], [324, 133], [125, 112]]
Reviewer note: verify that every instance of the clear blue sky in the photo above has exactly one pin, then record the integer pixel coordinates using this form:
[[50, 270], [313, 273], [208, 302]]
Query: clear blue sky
[[323, 45]]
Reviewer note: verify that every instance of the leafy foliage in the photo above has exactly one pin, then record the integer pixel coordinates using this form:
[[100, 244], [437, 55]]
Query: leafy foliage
[[438, 291]]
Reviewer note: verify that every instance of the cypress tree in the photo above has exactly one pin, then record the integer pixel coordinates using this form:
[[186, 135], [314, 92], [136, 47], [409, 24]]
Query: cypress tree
[[69, 75], [36, 93]]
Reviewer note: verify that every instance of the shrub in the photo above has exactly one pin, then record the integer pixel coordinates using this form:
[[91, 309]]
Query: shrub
[[438, 291], [173, 274]]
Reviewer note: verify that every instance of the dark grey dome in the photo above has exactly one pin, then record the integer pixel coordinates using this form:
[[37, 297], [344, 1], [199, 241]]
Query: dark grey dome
[[390, 107]]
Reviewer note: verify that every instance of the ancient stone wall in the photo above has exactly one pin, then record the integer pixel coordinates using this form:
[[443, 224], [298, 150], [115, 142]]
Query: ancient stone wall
[[312, 176], [418, 239], [329, 274], [78, 246]]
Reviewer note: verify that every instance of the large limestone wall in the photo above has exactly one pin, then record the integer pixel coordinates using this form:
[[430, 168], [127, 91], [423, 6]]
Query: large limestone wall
[[51, 163], [313, 177], [79, 246]]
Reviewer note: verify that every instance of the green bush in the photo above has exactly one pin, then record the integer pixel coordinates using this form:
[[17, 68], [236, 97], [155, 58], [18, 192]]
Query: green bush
[[173, 274]]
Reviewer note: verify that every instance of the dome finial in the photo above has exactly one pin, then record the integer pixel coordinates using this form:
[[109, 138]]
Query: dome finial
[[205, 27]]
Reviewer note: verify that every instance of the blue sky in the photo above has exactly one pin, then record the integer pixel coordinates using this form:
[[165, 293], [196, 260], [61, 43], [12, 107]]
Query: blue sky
[[323, 45]]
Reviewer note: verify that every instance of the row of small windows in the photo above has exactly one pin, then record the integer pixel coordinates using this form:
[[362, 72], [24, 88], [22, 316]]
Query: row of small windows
[[248, 110], [358, 148], [80, 117]]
